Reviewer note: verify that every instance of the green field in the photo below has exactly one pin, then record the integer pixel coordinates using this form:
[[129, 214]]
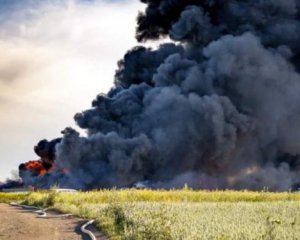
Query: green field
[[182, 214]]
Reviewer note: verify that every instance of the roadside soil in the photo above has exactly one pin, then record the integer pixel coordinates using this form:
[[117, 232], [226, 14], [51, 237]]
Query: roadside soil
[[19, 224]]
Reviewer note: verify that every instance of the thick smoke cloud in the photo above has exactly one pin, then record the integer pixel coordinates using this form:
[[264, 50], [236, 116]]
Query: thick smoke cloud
[[46, 149], [140, 63], [275, 21], [218, 110]]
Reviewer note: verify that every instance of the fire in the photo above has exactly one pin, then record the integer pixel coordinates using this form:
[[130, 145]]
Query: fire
[[38, 167], [46, 151]]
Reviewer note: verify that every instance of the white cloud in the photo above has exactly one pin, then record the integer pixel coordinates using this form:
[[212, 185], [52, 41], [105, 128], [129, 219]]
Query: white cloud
[[54, 59]]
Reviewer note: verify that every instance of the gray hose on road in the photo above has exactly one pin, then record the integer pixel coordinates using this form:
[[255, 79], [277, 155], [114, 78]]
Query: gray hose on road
[[88, 232], [43, 214], [14, 204]]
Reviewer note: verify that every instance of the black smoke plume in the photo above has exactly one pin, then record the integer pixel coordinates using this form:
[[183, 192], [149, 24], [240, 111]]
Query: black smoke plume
[[217, 108], [11, 184], [46, 149]]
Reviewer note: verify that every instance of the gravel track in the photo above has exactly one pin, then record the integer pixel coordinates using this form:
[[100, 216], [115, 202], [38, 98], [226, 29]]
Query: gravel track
[[20, 224]]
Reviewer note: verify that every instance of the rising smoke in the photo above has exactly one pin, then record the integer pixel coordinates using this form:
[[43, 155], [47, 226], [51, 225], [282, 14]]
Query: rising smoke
[[217, 108]]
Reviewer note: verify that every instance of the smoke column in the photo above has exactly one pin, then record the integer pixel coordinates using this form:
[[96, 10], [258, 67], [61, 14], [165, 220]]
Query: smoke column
[[217, 108]]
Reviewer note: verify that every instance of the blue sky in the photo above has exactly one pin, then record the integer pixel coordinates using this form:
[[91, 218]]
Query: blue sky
[[56, 56]]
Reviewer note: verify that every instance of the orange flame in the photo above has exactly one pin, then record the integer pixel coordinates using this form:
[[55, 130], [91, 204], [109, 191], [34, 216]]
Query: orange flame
[[36, 166]]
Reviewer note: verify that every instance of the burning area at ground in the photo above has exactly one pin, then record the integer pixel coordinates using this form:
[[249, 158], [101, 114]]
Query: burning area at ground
[[217, 107]]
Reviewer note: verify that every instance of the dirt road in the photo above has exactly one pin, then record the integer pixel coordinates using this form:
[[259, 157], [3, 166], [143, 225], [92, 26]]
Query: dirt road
[[19, 224]]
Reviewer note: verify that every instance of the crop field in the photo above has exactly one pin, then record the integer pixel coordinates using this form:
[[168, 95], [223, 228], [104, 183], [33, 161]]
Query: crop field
[[182, 214]]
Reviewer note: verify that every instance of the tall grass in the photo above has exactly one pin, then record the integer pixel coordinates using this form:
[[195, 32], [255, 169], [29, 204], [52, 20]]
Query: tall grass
[[9, 197], [185, 195]]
